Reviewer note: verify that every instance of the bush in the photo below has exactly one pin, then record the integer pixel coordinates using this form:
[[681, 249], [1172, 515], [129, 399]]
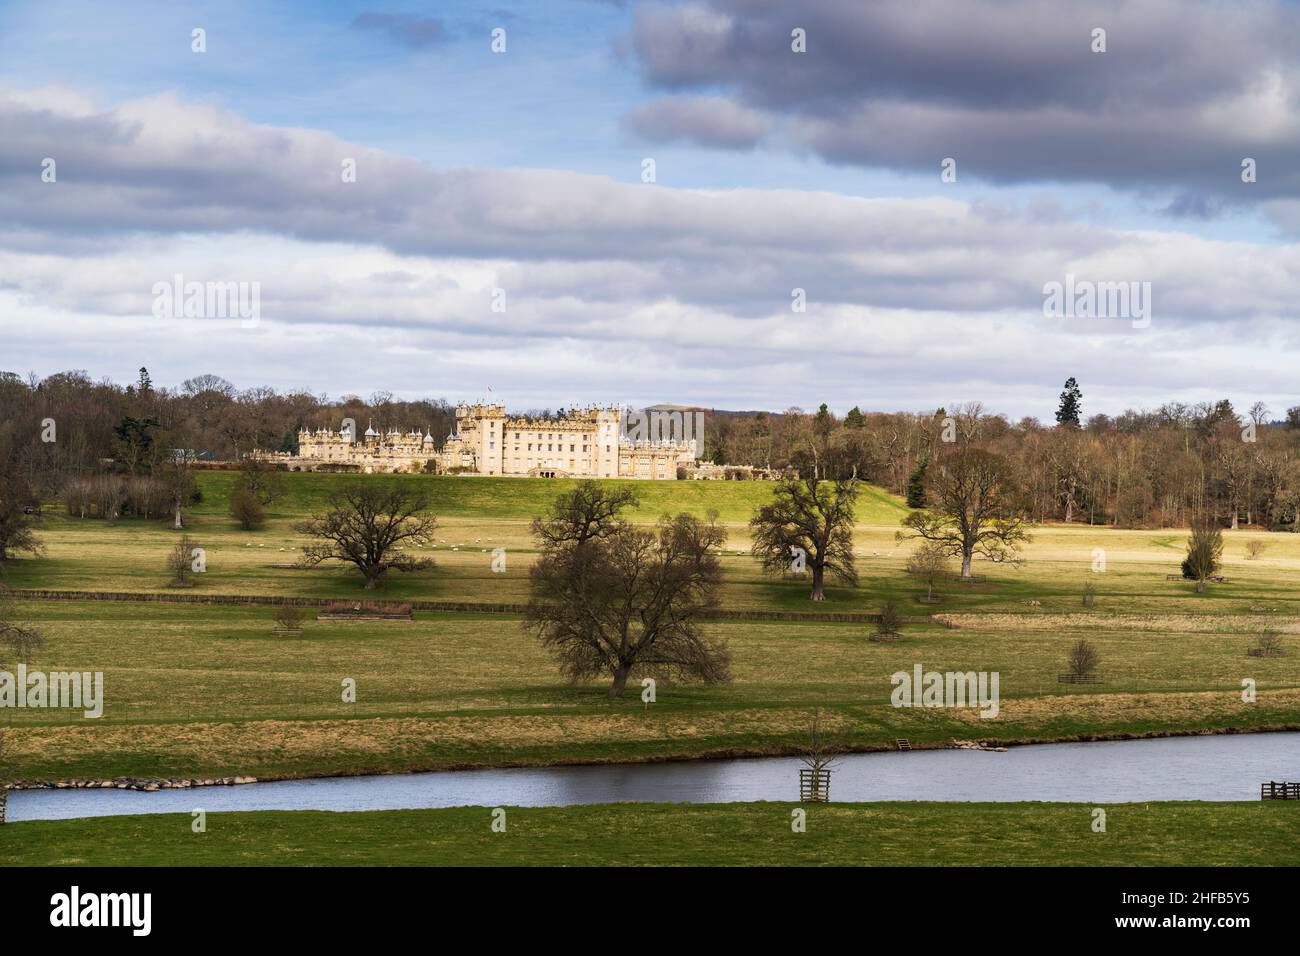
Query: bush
[[890, 622], [289, 618], [1204, 551], [1268, 644], [247, 510]]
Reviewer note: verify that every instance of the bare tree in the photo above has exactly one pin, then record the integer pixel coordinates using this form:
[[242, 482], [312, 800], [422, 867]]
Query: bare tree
[[176, 472], [1254, 549], [367, 525], [808, 519], [1267, 644], [18, 640], [929, 562], [887, 628], [819, 760], [288, 617], [1083, 659], [609, 598], [180, 561], [261, 479], [975, 511]]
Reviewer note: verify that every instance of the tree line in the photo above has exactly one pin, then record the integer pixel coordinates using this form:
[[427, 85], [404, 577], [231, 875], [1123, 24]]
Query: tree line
[[1170, 467]]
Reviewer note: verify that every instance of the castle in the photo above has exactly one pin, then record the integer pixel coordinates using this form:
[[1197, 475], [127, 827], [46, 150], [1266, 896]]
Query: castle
[[590, 442]]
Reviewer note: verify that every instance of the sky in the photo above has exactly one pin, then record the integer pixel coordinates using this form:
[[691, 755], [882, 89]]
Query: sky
[[727, 203]]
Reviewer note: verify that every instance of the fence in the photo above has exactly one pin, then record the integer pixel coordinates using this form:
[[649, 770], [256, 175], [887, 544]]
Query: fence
[[814, 785], [840, 617], [1279, 791]]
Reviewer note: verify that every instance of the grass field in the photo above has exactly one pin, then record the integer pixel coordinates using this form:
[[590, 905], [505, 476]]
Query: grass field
[[745, 834], [208, 690]]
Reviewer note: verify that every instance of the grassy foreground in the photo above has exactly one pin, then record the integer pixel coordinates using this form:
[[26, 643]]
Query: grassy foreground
[[740, 834]]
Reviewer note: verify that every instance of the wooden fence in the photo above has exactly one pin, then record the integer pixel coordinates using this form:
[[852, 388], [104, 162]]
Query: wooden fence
[[838, 617], [814, 785], [1279, 791], [1079, 679]]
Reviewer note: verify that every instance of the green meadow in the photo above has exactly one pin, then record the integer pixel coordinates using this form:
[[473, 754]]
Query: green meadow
[[196, 690], [744, 834]]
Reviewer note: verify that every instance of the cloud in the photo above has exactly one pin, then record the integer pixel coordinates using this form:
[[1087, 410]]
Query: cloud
[[414, 32], [702, 120], [1010, 88], [613, 289]]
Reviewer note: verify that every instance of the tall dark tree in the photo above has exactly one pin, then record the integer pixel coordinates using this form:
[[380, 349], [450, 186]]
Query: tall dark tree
[[609, 598], [17, 500], [916, 484], [368, 524], [1071, 407], [135, 439], [808, 520]]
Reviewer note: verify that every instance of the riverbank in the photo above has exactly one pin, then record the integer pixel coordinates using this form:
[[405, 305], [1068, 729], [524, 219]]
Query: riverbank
[[755, 834], [990, 744]]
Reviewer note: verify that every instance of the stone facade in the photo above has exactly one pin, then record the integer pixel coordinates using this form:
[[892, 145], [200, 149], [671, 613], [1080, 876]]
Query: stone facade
[[579, 443], [374, 452]]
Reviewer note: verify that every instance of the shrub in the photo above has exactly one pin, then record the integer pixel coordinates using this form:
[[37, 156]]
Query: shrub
[[1267, 644], [887, 629], [289, 618], [247, 510]]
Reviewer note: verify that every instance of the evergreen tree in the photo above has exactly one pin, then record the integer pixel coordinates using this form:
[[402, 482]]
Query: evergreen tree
[[1071, 404], [916, 484], [855, 418]]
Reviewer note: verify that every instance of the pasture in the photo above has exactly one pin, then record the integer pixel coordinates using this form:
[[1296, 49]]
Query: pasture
[[210, 690]]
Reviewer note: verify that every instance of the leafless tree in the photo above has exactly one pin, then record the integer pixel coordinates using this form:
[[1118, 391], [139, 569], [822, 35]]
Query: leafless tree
[[180, 560], [974, 508], [368, 524], [812, 517], [288, 617], [609, 598], [1267, 644], [18, 640], [261, 479], [929, 562], [1083, 659]]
